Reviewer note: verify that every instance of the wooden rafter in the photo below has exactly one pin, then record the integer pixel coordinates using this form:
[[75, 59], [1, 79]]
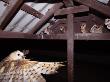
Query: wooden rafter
[[46, 18], [31, 11], [9, 13], [75, 9], [104, 9]]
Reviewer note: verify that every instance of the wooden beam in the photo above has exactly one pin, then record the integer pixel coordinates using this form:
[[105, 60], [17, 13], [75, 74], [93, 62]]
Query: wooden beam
[[77, 36], [31, 11], [92, 36], [46, 18], [17, 35], [69, 10], [9, 13], [94, 4]]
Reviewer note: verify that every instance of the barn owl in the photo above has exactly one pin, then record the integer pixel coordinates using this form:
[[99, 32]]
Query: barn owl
[[107, 23], [96, 29], [16, 68], [83, 28]]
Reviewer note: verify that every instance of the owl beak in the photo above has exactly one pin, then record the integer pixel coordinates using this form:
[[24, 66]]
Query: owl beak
[[23, 57]]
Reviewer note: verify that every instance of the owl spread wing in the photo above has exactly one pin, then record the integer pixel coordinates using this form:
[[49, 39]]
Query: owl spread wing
[[20, 71], [26, 70], [47, 67]]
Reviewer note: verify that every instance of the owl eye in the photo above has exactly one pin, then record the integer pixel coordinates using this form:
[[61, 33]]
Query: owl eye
[[18, 54]]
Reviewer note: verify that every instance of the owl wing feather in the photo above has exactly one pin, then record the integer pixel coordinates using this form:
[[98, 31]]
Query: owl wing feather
[[20, 71], [47, 67], [26, 70], [15, 68]]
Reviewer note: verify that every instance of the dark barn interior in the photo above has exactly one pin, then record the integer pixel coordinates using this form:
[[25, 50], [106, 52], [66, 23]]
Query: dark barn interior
[[75, 32], [92, 61]]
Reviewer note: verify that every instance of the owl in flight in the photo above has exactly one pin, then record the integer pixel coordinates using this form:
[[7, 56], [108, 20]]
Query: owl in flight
[[15, 68]]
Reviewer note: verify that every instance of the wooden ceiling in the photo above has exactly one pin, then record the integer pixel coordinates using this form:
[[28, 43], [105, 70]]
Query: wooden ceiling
[[99, 11]]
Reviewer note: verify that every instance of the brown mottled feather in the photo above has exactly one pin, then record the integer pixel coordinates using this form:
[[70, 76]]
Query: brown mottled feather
[[25, 70]]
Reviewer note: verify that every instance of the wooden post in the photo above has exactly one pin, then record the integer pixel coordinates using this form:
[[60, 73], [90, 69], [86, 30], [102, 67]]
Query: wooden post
[[70, 41], [69, 11], [70, 47]]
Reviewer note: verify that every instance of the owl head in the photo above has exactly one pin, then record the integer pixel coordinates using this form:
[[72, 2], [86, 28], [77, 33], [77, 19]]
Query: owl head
[[16, 55], [107, 21]]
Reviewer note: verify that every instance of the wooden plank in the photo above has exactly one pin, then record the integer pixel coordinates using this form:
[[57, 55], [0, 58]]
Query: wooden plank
[[104, 9], [17, 35], [9, 13], [77, 36], [31, 11], [45, 18], [69, 10], [70, 47], [92, 36]]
